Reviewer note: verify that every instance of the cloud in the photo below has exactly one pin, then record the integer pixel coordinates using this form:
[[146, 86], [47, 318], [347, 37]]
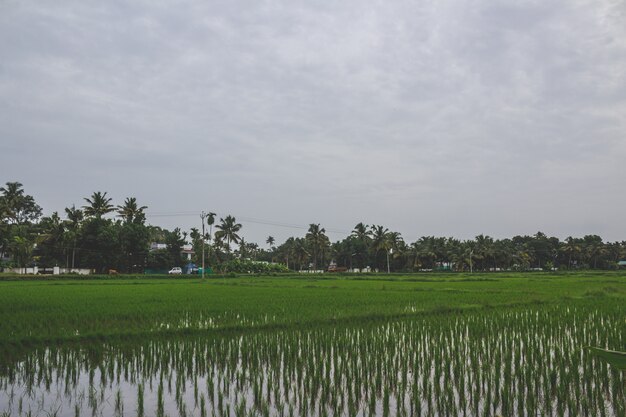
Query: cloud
[[451, 118]]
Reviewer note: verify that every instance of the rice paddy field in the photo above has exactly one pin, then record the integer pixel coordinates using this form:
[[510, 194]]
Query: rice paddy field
[[506, 344]]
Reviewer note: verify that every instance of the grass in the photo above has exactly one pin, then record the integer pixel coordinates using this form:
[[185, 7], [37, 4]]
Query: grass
[[45, 311], [427, 344]]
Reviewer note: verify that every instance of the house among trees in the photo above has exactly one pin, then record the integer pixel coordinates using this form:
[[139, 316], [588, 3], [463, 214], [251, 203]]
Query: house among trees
[[187, 252]]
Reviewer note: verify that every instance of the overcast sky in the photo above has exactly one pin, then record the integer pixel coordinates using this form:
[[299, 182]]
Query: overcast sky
[[436, 117]]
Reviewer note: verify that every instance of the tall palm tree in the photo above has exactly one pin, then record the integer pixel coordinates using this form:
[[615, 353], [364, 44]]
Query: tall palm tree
[[210, 220], [270, 241], [362, 233], [74, 219], [363, 237], [243, 248], [300, 252], [380, 241], [228, 229], [317, 239], [594, 248], [131, 212], [98, 205], [396, 246], [52, 239], [571, 248], [484, 249]]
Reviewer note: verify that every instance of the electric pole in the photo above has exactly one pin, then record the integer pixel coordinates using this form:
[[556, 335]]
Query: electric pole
[[203, 216]]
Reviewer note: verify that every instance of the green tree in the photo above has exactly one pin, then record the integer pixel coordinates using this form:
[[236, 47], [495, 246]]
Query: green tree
[[318, 241], [380, 243], [17, 207], [362, 238], [175, 242], [99, 241], [52, 241], [130, 211], [228, 231], [74, 220], [98, 205], [18, 213]]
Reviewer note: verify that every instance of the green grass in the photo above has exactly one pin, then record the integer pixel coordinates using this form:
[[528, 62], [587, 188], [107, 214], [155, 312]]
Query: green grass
[[44, 311], [422, 344]]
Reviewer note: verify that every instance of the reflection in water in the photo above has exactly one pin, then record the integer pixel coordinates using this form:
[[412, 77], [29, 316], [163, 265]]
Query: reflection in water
[[497, 362]]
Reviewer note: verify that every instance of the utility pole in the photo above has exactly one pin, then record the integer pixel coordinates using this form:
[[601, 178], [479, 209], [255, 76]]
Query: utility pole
[[203, 216], [388, 252], [471, 268]]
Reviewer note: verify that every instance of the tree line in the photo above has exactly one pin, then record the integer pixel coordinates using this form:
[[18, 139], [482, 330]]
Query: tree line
[[100, 235]]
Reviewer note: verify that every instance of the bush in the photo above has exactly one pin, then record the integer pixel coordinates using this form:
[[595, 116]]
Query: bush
[[246, 266]]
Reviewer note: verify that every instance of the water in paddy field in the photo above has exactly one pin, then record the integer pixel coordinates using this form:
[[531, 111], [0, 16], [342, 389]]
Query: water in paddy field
[[515, 362]]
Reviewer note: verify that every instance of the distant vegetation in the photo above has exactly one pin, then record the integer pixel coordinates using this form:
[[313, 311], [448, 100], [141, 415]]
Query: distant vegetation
[[100, 235]]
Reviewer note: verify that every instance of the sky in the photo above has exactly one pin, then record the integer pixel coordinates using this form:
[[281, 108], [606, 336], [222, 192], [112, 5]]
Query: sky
[[433, 117]]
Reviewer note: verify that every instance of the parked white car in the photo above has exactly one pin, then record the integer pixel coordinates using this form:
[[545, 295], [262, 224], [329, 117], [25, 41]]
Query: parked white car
[[175, 271]]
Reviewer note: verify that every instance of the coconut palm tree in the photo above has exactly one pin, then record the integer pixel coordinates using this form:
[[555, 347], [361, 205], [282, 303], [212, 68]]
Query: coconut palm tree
[[317, 239], [98, 205], [300, 253], [380, 240], [74, 218], [362, 236], [131, 212], [243, 248], [594, 248], [571, 248], [15, 206], [362, 233], [270, 241], [228, 229], [52, 239]]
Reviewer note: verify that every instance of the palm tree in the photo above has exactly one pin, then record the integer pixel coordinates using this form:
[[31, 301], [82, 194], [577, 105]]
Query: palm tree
[[594, 247], [300, 253], [380, 241], [74, 218], [361, 232], [243, 248], [131, 212], [210, 219], [52, 238], [9, 200], [98, 205], [424, 250], [317, 238], [15, 206], [228, 229], [270, 241], [252, 248], [396, 246], [484, 249], [570, 248], [363, 237]]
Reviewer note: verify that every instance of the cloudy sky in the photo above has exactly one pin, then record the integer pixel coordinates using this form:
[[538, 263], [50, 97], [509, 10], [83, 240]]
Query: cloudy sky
[[431, 117]]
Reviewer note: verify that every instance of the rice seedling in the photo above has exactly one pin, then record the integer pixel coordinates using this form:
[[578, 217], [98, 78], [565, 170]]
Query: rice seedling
[[512, 358]]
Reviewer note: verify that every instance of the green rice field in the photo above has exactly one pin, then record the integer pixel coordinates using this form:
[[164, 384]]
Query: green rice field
[[506, 344]]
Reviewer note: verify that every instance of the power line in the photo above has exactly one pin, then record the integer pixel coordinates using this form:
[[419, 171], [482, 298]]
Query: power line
[[245, 219]]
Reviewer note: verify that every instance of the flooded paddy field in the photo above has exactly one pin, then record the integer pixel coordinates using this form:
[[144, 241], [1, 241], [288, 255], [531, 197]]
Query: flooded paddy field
[[518, 359]]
